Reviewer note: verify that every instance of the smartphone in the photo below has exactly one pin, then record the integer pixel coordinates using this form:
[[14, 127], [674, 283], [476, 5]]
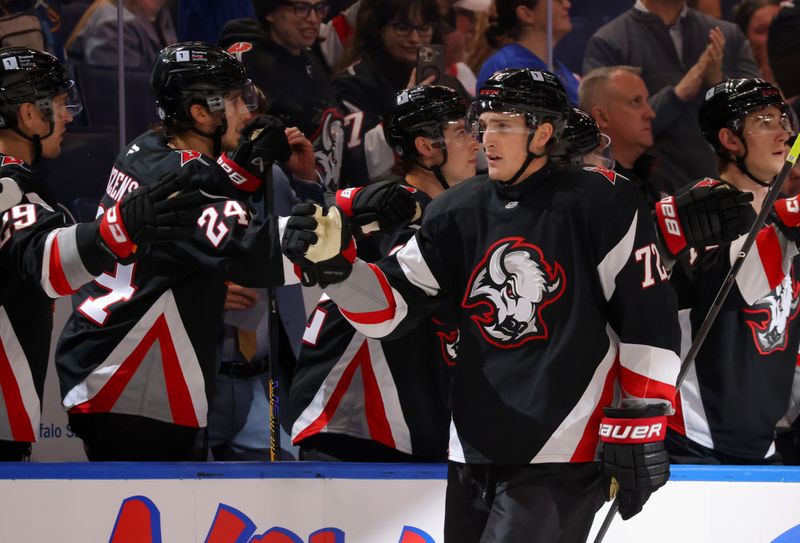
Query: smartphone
[[430, 61]]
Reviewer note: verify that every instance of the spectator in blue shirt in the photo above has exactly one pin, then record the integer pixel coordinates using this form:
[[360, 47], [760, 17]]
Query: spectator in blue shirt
[[525, 22]]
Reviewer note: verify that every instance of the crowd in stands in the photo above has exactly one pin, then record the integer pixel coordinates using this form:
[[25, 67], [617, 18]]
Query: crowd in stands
[[642, 70]]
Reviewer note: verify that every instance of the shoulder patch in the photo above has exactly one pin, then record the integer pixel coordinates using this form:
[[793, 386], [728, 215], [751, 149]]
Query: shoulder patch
[[240, 47], [10, 161], [188, 156], [610, 175]]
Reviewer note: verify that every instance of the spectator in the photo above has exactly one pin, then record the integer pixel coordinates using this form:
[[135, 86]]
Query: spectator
[[484, 44], [741, 381], [754, 18], [402, 414], [525, 22], [148, 28], [681, 52], [458, 37], [783, 52], [276, 51], [616, 97], [712, 8], [379, 62], [202, 20]]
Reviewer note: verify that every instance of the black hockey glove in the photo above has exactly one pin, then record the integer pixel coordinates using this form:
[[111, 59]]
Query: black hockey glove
[[320, 245], [164, 211], [709, 213], [786, 214], [262, 143], [633, 458], [386, 206]]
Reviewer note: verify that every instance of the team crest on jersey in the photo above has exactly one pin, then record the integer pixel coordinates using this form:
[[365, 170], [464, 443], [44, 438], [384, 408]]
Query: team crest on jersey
[[11, 161], [770, 317], [328, 142], [508, 290], [240, 47], [188, 156], [611, 175]]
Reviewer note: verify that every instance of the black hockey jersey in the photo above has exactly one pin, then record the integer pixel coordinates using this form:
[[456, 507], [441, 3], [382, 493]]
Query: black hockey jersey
[[42, 256], [563, 309], [393, 392], [740, 383], [142, 339], [298, 91]]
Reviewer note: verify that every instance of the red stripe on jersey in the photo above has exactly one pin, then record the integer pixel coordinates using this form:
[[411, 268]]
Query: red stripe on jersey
[[639, 386], [180, 400], [58, 280], [382, 315], [769, 249], [342, 28], [18, 419], [587, 446], [379, 428], [676, 421], [106, 397]]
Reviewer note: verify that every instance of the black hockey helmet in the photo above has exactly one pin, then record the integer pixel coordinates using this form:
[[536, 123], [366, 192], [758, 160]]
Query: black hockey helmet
[[537, 94], [580, 136], [421, 111], [728, 103], [31, 76], [192, 72]]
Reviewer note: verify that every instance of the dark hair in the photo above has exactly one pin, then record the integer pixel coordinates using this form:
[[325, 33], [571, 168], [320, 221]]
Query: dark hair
[[374, 15], [506, 22], [743, 11]]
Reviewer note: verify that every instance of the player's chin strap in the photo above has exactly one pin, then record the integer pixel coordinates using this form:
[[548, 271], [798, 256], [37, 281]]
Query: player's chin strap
[[436, 169], [530, 158], [36, 140], [740, 162], [215, 136]]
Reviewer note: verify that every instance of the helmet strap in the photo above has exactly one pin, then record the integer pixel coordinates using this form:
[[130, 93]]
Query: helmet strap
[[215, 136], [36, 140], [530, 158], [740, 162], [436, 169]]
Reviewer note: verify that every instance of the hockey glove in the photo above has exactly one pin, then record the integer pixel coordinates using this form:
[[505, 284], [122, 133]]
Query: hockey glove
[[709, 213], [262, 142], [633, 457], [319, 245], [164, 211], [386, 206], [786, 214]]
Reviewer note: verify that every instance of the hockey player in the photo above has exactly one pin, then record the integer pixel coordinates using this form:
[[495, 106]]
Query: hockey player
[[136, 356], [551, 271], [397, 411], [740, 383], [42, 254]]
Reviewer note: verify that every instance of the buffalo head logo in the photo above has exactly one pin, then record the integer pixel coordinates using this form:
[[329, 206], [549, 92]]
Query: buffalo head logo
[[511, 285], [771, 315]]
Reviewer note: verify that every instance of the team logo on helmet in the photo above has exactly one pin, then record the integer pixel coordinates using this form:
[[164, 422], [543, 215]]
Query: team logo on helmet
[[770, 317], [508, 291], [240, 47]]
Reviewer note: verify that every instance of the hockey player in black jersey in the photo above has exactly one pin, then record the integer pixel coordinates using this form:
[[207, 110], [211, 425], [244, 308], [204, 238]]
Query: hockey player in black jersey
[[362, 399], [42, 254], [740, 383], [568, 329], [136, 356]]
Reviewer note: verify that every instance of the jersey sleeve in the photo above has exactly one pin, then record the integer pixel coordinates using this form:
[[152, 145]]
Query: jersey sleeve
[[643, 311], [44, 250]]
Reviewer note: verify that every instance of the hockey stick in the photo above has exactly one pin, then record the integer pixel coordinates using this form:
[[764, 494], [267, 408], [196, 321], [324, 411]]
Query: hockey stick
[[727, 285], [272, 334]]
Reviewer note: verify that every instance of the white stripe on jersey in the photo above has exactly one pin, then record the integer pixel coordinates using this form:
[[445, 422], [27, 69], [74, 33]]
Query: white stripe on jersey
[[562, 444], [391, 398], [455, 451], [416, 269], [616, 259], [22, 374], [652, 362], [752, 281], [694, 415]]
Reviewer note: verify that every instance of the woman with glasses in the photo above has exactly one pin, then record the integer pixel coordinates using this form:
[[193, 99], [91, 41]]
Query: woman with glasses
[[525, 22], [278, 50], [378, 63]]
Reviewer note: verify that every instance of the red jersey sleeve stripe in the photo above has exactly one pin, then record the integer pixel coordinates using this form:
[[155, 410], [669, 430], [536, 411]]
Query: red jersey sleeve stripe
[[56, 277], [382, 315], [769, 250], [639, 386]]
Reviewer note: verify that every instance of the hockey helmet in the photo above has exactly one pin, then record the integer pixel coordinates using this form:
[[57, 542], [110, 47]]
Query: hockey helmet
[[421, 111], [31, 76], [537, 94], [727, 104], [192, 72], [580, 136]]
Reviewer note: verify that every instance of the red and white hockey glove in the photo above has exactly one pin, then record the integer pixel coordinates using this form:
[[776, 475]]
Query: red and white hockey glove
[[384, 206], [633, 458], [786, 213], [321, 246], [163, 211], [709, 213]]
